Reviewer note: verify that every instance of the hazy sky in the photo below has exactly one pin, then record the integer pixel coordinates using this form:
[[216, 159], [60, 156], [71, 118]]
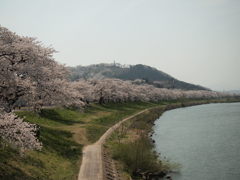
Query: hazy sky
[[196, 41]]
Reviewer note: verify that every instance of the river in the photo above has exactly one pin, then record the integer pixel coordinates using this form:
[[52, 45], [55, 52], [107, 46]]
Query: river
[[205, 139]]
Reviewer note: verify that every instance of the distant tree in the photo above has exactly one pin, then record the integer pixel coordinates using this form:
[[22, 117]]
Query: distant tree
[[116, 90], [105, 90], [85, 88]]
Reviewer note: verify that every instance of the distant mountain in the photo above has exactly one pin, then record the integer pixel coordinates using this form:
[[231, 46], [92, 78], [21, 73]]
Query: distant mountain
[[223, 87], [137, 73], [234, 91]]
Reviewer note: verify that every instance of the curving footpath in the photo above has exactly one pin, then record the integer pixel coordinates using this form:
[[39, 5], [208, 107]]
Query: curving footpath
[[92, 167]]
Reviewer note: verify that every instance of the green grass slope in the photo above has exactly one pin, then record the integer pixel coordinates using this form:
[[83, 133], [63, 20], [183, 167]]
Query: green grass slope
[[60, 154], [63, 133]]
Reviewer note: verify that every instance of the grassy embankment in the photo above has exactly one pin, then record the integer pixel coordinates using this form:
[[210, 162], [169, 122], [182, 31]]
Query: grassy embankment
[[63, 133]]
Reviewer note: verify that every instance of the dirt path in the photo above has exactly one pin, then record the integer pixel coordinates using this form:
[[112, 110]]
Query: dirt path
[[92, 161]]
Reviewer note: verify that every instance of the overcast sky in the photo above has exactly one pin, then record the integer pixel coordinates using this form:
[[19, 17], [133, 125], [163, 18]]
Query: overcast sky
[[196, 41]]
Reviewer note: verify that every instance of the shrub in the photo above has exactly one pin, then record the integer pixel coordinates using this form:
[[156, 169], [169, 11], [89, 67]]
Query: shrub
[[137, 155]]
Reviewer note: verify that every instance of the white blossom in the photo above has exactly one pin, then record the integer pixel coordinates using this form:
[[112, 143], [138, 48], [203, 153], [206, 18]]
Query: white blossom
[[21, 135]]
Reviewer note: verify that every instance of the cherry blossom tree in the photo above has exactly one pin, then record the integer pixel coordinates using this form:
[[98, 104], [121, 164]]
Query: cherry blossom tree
[[28, 70], [85, 88], [19, 134], [116, 90], [102, 90]]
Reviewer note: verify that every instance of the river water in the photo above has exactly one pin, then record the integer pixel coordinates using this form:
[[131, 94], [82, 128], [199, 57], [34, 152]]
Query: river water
[[205, 139]]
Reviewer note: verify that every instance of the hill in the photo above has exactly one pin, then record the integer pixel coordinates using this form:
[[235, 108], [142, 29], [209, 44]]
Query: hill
[[137, 73], [234, 91]]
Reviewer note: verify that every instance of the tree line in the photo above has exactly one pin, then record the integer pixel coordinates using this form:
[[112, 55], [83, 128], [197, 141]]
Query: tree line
[[30, 75]]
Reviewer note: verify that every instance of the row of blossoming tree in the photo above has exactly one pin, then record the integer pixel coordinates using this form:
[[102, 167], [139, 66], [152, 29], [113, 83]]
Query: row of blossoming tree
[[29, 73], [116, 90]]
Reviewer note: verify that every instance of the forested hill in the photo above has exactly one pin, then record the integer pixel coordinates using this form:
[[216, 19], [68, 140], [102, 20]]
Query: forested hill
[[137, 73]]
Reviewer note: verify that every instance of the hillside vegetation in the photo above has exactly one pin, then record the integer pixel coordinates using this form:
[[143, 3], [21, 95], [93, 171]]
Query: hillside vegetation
[[63, 133], [139, 73]]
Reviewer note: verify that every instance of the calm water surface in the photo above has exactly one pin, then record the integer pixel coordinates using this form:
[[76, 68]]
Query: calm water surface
[[205, 139]]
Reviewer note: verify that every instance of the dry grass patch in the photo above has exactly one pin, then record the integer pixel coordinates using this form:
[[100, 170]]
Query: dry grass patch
[[80, 136], [132, 135]]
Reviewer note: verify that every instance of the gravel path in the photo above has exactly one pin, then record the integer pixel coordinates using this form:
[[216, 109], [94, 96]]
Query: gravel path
[[94, 162]]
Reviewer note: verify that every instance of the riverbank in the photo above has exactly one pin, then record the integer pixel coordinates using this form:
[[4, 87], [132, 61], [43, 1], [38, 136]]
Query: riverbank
[[92, 162], [136, 129]]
